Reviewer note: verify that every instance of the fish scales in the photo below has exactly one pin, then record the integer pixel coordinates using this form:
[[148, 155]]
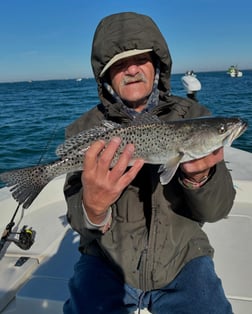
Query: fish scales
[[149, 139], [155, 141]]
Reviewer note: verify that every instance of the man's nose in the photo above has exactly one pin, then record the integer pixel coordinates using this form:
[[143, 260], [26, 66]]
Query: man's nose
[[132, 69]]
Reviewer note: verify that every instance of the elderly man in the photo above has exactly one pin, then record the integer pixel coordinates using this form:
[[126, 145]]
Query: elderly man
[[141, 242]]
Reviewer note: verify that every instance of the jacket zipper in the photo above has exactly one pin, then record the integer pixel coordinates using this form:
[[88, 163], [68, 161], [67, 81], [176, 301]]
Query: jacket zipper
[[145, 264], [141, 267]]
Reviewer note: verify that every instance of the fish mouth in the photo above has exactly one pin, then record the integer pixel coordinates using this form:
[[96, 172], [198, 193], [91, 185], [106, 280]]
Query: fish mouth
[[241, 128], [238, 129]]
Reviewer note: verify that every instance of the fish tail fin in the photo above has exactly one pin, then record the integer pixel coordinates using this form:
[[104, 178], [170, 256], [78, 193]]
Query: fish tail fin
[[25, 184]]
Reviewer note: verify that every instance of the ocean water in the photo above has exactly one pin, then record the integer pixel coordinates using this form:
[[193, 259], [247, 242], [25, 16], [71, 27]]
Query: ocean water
[[35, 114]]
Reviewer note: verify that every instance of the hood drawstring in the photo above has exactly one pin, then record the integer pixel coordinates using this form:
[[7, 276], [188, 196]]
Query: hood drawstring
[[152, 100]]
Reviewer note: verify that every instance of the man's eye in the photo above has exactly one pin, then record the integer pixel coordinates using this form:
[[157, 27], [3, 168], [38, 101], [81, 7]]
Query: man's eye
[[142, 60], [119, 65]]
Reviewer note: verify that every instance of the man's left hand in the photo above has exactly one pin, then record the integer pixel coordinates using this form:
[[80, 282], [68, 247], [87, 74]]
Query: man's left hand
[[199, 168]]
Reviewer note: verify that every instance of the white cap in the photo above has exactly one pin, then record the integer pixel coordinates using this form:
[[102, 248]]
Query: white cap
[[122, 55]]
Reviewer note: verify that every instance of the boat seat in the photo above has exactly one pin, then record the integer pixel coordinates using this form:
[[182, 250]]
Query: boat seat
[[14, 271]]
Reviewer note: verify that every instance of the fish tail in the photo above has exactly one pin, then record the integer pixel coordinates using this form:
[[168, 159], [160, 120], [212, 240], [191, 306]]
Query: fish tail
[[26, 183]]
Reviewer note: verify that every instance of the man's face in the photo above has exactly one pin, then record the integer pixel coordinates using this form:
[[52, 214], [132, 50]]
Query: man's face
[[132, 78]]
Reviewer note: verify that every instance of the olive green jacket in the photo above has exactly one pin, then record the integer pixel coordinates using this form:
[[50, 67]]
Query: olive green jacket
[[156, 229]]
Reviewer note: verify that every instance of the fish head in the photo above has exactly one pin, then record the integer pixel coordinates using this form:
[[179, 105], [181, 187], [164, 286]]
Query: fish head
[[210, 133]]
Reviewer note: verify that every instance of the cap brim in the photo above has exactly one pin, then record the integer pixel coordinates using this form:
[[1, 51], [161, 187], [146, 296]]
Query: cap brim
[[122, 55]]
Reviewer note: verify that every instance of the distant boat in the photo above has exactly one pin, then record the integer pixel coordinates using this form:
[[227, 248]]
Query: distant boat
[[191, 84], [78, 79], [233, 71]]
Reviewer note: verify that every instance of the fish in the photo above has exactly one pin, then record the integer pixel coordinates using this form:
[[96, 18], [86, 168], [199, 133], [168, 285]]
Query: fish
[[164, 143]]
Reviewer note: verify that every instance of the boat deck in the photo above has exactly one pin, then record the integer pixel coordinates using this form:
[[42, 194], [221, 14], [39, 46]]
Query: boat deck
[[35, 281]]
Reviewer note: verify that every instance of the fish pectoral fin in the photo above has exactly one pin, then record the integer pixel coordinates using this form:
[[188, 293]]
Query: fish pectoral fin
[[168, 170], [167, 174]]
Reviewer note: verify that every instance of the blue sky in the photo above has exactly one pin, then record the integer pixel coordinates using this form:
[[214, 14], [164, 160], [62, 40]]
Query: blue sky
[[51, 39]]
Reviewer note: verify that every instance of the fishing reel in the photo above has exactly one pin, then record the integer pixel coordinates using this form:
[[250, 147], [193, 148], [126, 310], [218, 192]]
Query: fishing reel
[[26, 236], [25, 240]]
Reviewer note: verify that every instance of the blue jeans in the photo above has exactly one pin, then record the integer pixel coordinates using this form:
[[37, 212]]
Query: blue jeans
[[96, 289]]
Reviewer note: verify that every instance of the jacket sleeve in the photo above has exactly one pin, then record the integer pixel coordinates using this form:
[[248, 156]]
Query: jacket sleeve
[[75, 213], [214, 200]]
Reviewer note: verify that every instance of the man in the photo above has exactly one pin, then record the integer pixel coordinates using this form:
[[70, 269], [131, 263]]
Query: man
[[141, 242]]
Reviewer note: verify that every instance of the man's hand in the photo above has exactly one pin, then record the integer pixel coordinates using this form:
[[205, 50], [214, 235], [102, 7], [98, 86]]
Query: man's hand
[[103, 185], [199, 168]]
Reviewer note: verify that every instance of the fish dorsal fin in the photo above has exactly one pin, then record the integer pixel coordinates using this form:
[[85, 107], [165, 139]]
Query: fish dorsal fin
[[110, 125], [84, 138], [145, 118]]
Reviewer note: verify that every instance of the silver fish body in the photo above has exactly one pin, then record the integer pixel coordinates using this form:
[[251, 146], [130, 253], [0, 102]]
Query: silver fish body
[[157, 142]]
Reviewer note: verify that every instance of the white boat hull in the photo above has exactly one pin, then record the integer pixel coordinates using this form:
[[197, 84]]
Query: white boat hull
[[238, 74], [191, 83]]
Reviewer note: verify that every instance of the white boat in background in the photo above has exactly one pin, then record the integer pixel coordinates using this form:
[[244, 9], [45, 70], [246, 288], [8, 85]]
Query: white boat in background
[[191, 84], [233, 71], [35, 281], [79, 79]]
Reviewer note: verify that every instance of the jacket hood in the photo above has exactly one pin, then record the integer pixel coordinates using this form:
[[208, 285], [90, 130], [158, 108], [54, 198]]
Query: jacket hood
[[126, 31]]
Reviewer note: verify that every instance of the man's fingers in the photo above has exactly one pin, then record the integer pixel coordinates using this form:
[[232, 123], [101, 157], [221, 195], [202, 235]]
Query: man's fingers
[[130, 175], [106, 157], [122, 163], [98, 159], [92, 153]]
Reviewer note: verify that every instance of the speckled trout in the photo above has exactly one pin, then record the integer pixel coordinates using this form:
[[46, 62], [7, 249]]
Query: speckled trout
[[157, 142]]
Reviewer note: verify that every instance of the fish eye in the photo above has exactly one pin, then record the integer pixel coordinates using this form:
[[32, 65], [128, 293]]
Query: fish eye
[[222, 129]]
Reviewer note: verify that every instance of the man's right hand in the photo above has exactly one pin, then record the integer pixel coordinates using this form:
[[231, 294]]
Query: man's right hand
[[102, 184]]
